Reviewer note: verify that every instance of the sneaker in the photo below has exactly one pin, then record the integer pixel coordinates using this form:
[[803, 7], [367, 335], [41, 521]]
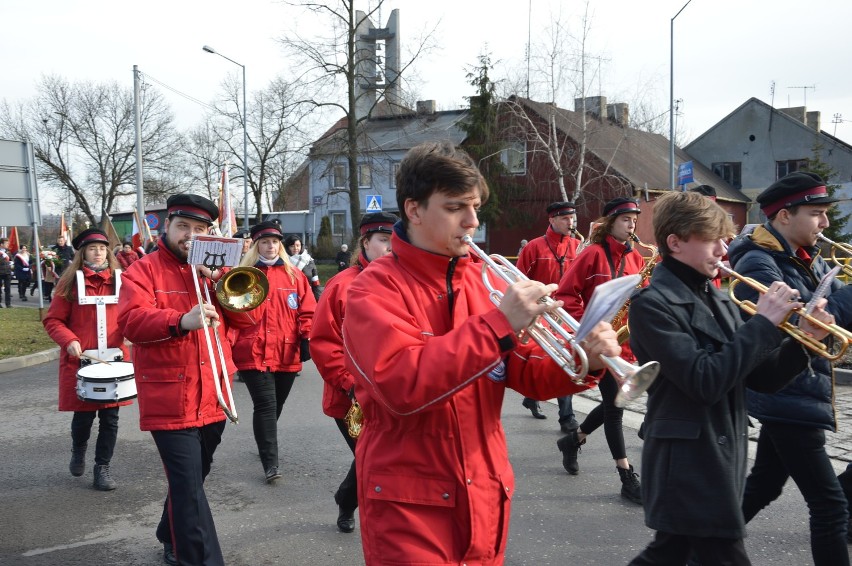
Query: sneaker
[[630, 487], [103, 481], [272, 474], [569, 445]]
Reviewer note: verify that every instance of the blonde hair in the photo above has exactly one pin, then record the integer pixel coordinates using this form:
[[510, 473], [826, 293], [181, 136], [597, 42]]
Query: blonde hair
[[66, 286], [687, 214], [252, 256]]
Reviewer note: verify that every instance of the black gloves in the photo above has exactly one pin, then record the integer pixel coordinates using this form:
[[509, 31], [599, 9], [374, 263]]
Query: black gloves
[[305, 350]]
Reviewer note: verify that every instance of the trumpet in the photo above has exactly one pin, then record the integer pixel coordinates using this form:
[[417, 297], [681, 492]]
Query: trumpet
[[843, 247], [619, 321], [842, 336], [549, 333]]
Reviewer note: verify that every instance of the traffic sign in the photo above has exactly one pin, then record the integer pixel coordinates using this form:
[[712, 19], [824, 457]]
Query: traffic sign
[[684, 173], [152, 220], [374, 203]]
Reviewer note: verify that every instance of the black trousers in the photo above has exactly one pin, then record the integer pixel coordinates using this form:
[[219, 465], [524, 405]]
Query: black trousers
[[6, 289], [23, 285], [187, 521], [81, 430], [269, 391], [608, 415], [347, 494], [798, 451], [668, 549]]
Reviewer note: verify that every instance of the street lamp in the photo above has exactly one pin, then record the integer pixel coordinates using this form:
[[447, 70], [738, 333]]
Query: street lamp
[[209, 49], [671, 103]]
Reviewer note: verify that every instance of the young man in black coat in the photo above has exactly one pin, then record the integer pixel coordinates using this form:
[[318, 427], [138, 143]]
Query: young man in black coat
[[695, 452]]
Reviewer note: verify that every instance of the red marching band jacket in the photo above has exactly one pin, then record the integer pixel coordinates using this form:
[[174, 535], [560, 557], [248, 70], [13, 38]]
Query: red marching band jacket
[[174, 379], [539, 260], [273, 343], [431, 369], [68, 321], [590, 269], [327, 342]]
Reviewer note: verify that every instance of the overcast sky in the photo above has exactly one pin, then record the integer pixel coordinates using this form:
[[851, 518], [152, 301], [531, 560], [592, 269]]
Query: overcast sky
[[726, 51]]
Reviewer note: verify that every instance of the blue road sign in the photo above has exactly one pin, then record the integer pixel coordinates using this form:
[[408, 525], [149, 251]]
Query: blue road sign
[[374, 203]]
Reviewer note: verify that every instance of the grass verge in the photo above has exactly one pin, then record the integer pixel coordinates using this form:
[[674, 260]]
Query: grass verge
[[22, 333]]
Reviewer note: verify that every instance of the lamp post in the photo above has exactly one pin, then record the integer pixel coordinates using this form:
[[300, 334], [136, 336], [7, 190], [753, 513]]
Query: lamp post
[[671, 102], [209, 49]]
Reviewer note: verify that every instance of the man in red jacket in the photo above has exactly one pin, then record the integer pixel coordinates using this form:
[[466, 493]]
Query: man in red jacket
[[159, 312], [546, 259], [432, 358]]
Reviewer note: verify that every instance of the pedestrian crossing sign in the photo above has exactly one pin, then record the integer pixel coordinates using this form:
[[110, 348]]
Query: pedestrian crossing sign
[[374, 203]]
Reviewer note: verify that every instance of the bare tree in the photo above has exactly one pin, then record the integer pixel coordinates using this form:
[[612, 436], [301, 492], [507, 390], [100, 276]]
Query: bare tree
[[83, 135], [334, 58], [279, 123]]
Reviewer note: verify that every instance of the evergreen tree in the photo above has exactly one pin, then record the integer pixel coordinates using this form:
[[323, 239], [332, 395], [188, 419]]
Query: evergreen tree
[[836, 218], [325, 245]]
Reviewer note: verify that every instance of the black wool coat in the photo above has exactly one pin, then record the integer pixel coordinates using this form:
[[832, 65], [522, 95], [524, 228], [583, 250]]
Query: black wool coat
[[695, 431]]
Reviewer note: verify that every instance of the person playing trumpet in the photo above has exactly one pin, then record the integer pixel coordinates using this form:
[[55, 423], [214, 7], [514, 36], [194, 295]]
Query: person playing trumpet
[[160, 314], [546, 259], [794, 420], [695, 429], [611, 254], [432, 358]]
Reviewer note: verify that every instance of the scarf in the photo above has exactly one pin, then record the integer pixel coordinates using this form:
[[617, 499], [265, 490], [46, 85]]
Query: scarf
[[96, 268]]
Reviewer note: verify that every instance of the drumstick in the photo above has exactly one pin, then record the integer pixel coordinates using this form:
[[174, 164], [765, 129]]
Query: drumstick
[[94, 358]]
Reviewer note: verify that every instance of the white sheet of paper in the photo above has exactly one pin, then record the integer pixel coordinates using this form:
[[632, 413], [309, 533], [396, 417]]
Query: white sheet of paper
[[214, 252], [605, 302]]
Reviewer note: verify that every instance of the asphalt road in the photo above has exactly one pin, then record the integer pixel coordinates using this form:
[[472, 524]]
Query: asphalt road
[[48, 517]]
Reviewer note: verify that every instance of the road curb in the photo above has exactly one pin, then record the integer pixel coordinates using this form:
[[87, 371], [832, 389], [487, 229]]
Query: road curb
[[11, 364]]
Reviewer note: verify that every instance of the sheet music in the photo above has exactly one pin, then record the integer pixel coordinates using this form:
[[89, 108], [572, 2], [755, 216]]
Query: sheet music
[[605, 302], [214, 252], [823, 289]]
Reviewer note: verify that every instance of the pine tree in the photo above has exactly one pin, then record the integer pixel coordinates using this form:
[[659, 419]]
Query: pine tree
[[836, 218]]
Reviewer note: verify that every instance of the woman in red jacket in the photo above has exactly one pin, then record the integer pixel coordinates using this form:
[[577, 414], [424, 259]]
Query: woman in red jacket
[[74, 326], [609, 255], [269, 355], [327, 349]]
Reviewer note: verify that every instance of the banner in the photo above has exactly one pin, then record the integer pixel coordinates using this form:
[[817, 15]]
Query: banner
[[227, 218], [13, 241]]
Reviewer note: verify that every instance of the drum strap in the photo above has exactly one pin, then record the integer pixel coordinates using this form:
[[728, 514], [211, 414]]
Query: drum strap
[[100, 302]]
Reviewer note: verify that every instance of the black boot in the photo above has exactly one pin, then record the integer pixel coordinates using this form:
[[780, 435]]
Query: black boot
[[534, 408], [630, 487], [346, 520], [845, 480], [103, 481], [569, 445], [78, 460]]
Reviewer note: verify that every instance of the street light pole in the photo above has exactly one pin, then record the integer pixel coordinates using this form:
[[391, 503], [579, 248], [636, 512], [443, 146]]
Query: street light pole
[[671, 102], [209, 49]]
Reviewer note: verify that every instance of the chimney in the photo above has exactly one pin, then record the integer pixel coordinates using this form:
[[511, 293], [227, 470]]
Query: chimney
[[619, 113], [795, 112], [595, 105], [813, 120], [426, 107]]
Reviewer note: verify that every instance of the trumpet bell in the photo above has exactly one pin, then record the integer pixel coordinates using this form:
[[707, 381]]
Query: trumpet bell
[[634, 381], [242, 289]]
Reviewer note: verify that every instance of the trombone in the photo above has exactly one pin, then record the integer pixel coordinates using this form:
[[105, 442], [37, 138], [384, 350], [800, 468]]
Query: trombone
[[843, 247], [841, 335], [241, 289], [548, 332]]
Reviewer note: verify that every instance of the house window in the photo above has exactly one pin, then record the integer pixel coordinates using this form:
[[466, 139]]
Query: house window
[[365, 175], [514, 157], [338, 223], [339, 176], [786, 167], [730, 171], [394, 170]]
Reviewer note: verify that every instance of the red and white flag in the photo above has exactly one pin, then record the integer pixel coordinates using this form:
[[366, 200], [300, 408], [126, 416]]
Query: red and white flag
[[63, 229], [227, 218]]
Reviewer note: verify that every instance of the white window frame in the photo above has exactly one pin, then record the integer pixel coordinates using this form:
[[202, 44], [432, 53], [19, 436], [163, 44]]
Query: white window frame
[[338, 222], [365, 170], [338, 175], [514, 157]]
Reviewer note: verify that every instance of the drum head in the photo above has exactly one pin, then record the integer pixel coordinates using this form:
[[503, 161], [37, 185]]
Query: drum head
[[106, 372]]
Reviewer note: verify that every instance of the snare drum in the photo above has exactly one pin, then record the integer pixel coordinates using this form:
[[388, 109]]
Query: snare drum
[[106, 383]]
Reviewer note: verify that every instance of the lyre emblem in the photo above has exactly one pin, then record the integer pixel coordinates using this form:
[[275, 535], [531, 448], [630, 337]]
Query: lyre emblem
[[213, 261]]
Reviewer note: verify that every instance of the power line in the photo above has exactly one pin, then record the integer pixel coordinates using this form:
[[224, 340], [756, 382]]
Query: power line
[[179, 93]]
